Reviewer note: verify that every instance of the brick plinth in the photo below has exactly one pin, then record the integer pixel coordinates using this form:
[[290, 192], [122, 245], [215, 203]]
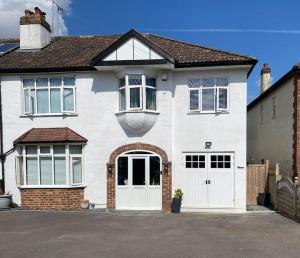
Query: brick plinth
[[62, 198], [166, 175]]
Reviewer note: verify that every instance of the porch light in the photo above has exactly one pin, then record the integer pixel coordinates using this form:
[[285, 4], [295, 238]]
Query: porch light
[[109, 168], [166, 167], [207, 145]]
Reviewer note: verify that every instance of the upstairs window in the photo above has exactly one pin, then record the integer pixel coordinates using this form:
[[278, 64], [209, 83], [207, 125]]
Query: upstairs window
[[137, 92], [274, 108], [48, 95], [209, 95]]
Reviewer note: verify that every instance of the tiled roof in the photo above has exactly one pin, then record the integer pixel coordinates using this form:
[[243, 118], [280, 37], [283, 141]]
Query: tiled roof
[[77, 53], [50, 135]]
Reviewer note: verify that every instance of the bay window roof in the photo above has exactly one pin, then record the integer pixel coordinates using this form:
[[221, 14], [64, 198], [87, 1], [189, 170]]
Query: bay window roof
[[50, 135]]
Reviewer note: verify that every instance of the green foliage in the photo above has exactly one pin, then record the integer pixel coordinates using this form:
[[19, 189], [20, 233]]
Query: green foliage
[[178, 193]]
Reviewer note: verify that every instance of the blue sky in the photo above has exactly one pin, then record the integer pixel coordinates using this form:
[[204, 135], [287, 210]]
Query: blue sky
[[172, 18]]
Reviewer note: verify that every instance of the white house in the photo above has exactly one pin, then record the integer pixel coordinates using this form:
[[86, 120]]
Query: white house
[[122, 121]]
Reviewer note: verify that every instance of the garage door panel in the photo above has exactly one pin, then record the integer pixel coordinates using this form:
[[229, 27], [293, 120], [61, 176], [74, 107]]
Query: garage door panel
[[209, 180]]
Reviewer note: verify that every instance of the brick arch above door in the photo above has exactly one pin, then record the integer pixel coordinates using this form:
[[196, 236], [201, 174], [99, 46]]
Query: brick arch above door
[[166, 175]]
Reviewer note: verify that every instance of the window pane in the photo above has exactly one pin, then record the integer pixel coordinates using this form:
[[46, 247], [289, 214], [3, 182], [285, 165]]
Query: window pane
[[222, 82], [33, 109], [55, 82], [135, 98], [122, 82], [59, 149], [222, 98], [59, 170], [28, 82], [27, 100], [42, 101], [150, 99], [75, 149], [68, 100], [32, 171], [135, 79], [122, 99], [31, 149], [194, 99], [154, 171], [123, 171], [55, 101], [138, 171], [194, 83], [69, 81], [150, 81], [42, 82], [46, 170], [44, 149], [77, 170], [208, 82], [208, 100]]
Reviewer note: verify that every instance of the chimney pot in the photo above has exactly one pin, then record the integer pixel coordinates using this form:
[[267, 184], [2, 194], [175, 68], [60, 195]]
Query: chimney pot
[[265, 78], [28, 13], [39, 12]]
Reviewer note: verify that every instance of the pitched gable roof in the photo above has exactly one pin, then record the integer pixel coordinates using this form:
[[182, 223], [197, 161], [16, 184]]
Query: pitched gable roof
[[50, 135], [73, 53]]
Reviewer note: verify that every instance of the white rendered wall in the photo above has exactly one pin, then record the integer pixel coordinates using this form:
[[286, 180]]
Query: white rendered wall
[[273, 139], [227, 132], [175, 131], [33, 36]]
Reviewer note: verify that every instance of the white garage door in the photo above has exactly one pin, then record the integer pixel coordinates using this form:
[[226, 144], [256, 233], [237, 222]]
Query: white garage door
[[209, 180]]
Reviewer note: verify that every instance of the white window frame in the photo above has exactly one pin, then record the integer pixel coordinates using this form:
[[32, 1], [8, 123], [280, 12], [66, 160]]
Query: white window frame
[[34, 112], [22, 172], [142, 87], [200, 89]]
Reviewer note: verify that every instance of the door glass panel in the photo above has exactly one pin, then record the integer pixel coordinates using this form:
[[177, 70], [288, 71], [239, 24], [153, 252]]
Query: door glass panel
[[138, 171], [123, 171], [154, 171]]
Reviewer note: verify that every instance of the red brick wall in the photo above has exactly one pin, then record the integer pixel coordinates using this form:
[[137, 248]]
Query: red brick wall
[[62, 198], [166, 177]]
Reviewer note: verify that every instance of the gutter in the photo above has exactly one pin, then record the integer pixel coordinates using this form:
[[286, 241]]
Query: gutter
[[2, 157]]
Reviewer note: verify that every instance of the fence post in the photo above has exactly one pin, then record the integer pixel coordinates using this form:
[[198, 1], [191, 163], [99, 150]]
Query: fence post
[[267, 167], [295, 197], [277, 172]]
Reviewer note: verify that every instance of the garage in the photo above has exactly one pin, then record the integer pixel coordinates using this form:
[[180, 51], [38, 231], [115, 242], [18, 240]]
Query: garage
[[208, 180]]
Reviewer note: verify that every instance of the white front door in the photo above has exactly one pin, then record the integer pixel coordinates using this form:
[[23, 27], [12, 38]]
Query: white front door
[[209, 180], [138, 182]]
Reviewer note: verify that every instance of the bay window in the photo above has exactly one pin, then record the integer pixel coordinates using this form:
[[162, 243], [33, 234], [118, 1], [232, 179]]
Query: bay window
[[49, 165], [48, 95], [209, 95], [137, 92]]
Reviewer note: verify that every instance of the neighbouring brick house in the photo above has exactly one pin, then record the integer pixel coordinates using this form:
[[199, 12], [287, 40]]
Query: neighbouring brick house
[[274, 122], [122, 121]]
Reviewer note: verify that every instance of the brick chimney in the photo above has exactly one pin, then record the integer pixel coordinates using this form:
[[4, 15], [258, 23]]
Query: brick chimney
[[265, 78], [34, 30]]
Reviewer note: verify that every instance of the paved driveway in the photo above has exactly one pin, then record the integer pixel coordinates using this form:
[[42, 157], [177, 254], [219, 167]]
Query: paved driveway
[[94, 234]]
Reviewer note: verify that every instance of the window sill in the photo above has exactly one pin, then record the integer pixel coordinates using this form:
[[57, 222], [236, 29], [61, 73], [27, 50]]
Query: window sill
[[208, 112], [138, 111], [50, 115], [50, 186]]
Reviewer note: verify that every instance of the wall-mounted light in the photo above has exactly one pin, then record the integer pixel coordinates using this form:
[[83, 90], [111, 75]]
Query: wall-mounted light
[[165, 167], [109, 168], [164, 77], [207, 145]]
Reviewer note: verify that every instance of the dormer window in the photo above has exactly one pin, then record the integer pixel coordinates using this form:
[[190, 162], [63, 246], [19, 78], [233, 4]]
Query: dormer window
[[137, 92]]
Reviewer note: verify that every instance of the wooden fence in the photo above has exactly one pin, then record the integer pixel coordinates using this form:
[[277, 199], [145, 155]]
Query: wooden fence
[[257, 181]]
